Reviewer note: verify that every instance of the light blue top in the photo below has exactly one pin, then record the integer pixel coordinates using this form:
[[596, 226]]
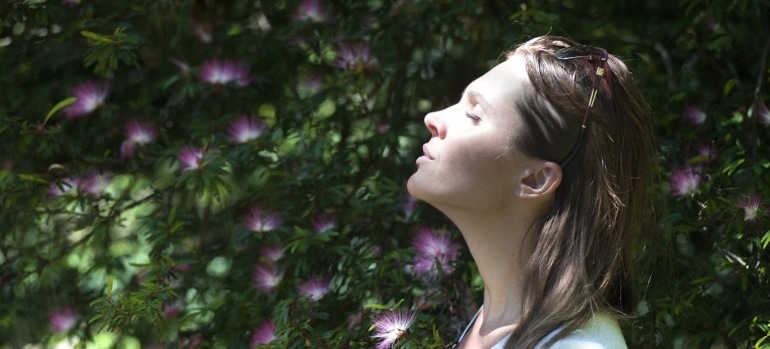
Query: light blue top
[[600, 332]]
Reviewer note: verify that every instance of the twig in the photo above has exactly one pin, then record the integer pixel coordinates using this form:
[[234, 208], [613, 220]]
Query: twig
[[666, 63], [762, 66]]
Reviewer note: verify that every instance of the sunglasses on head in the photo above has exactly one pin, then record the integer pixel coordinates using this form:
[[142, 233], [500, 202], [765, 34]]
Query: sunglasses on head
[[590, 53]]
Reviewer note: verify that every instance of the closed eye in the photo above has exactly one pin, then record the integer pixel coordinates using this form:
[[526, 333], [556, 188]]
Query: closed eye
[[472, 117]]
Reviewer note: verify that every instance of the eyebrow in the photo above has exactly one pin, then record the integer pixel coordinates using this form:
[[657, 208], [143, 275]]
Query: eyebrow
[[475, 95]]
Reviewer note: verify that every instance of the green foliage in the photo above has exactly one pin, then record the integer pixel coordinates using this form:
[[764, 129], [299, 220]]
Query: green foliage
[[144, 246], [106, 52]]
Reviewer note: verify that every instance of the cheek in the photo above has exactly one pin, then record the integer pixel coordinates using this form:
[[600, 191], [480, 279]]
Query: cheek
[[485, 169]]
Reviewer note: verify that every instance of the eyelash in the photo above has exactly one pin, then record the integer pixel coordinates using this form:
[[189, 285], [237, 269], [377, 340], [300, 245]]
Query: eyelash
[[472, 117]]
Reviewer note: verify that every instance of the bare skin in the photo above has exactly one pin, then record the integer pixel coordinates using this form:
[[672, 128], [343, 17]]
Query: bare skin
[[489, 190]]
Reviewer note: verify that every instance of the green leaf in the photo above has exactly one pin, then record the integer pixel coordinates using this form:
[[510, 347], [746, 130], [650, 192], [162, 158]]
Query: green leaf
[[729, 86], [109, 287], [58, 107], [377, 306], [32, 178], [98, 38], [765, 240]]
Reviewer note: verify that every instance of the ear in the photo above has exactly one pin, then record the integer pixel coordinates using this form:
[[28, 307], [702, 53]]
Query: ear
[[540, 180]]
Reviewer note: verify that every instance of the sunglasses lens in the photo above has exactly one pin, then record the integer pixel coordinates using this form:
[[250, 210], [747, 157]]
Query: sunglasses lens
[[580, 52]]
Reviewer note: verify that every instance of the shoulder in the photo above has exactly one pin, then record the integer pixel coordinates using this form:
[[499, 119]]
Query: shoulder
[[601, 332]]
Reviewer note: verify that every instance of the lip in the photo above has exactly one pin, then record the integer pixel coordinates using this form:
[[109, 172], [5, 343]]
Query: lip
[[425, 155], [425, 152]]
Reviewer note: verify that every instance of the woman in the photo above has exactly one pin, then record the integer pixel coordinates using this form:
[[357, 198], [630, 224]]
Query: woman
[[542, 165]]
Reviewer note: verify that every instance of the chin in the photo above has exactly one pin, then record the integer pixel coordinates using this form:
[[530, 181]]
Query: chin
[[420, 189], [412, 187], [416, 187]]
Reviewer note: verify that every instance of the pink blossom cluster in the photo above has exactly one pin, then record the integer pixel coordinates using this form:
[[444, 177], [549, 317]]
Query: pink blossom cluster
[[264, 333], [409, 204], [90, 95], [314, 288], [435, 253], [311, 11], [245, 128], [138, 133], [324, 222], [191, 158], [685, 180], [761, 112], [266, 275], [63, 320], [750, 206], [309, 83], [272, 253], [390, 326], [225, 71], [707, 151], [93, 182], [259, 220], [693, 115], [356, 57], [172, 310]]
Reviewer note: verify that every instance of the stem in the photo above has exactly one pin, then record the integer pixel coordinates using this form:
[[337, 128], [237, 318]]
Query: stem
[[762, 67], [666, 63]]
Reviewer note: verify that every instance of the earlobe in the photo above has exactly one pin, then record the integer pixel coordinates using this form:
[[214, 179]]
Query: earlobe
[[539, 181]]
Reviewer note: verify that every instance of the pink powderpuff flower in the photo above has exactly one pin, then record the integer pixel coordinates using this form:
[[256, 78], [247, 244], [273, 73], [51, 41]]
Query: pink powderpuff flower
[[259, 220], [383, 128], [354, 320], [63, 320], [266, 277], [750, 206], [138, 133], [685, 180], [244, 129], [314, 288], [222, 72], [96, 182], [203, 31], [263, 334], [66, 186], [272, 253], [190, 158], [706, 150], [392, 325], [409, 205], [310, 83], [311, 11], [172, 310], [761, 112], [434, 249], [324, 222], [191, 342], [184, 68], [693, 115], [355, 57], [90, 95]]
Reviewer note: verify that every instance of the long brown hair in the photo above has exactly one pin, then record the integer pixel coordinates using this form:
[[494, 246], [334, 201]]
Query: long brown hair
[[581, 251]]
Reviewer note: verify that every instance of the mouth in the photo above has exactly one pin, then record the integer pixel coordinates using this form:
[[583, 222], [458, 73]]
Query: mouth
[[425, 152]]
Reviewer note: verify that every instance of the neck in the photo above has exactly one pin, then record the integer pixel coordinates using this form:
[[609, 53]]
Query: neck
[[496, 240]]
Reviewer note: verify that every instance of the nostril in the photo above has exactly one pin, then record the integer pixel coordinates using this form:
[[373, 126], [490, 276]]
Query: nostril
[[431, 124], [433, 131]]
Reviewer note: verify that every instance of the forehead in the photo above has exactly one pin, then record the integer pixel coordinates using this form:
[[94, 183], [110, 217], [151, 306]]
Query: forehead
[[502, 84]]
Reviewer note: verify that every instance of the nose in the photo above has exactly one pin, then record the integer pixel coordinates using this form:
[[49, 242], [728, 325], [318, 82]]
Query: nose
[[435, 125]]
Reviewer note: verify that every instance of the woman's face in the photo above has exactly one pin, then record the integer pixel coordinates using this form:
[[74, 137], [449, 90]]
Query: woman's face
[[469, 160]]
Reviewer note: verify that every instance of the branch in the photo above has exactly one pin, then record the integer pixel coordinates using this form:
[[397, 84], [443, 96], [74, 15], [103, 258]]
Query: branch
[[762, 67]]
